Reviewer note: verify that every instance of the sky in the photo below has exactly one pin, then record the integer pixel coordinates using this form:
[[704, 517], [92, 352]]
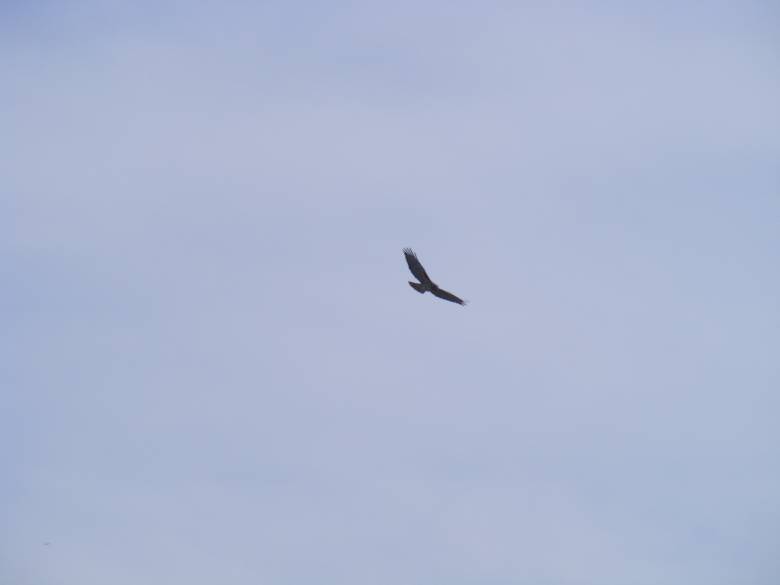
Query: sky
[[213, 369]]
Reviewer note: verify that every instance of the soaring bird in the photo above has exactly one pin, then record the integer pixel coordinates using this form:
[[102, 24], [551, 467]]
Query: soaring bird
[[426, 284]]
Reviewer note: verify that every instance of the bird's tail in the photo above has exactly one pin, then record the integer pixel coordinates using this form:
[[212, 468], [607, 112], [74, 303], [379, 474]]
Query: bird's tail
[[417, 286]]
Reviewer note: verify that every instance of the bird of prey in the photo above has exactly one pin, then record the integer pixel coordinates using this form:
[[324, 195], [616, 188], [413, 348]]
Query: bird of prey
[[426, 284]]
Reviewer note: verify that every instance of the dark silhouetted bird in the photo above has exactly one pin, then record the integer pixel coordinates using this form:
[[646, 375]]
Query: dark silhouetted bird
[[426, 284]]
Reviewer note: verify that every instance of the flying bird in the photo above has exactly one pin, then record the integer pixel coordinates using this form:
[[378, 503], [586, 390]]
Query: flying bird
[[426, 284]]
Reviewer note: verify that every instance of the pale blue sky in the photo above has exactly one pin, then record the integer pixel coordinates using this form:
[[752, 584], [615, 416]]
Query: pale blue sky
[[214, 371]]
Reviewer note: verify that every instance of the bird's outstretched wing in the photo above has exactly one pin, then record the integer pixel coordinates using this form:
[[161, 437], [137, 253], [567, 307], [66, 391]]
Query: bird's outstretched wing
[[415, 266], [447, 296]]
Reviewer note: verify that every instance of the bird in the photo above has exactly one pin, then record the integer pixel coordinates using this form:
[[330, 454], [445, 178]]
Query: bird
[[426, 284]]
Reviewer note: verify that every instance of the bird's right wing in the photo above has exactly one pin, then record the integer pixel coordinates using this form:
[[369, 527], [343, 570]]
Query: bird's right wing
[[447, 296], [415, 266]]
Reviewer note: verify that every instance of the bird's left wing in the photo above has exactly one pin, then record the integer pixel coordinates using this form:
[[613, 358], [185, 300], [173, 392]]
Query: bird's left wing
[[415, 266]]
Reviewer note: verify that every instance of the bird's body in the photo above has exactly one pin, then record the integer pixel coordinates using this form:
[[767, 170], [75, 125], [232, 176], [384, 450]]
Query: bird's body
[[426, 284]]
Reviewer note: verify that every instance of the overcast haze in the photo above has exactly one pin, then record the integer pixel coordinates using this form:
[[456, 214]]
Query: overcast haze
[[213, 369]]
